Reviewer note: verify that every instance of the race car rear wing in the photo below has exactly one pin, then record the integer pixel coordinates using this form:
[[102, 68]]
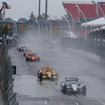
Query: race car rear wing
[[46, 68]]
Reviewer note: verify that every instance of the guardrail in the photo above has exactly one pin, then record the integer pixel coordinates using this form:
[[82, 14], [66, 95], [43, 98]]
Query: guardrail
[[7, 70]]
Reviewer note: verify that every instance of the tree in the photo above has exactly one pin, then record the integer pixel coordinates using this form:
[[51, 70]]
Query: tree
[[23, 20], [8, 19]]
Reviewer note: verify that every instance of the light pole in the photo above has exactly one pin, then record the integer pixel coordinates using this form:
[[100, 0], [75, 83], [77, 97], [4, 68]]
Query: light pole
[[103, 15], [41, 26], [15, 26], [71, 17], [44, 21], [39, 8], [84, 18], [50, 24], [46, 7], [67, 22], [38, 26], [99, 8], [50, 27]]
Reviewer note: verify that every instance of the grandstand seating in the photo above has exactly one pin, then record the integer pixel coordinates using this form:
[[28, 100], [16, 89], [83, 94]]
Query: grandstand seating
[[88, 9]]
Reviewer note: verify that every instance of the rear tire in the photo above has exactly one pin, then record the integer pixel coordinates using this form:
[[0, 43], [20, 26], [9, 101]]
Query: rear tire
[[38, 74], [19, 50], [57, 76], [64, 89], [24, 54], [61, 87], [27, 59], [38, 59], [84, 90]]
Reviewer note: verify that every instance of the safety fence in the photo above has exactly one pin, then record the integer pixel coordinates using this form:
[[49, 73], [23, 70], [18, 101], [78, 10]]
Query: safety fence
[[7, 70]]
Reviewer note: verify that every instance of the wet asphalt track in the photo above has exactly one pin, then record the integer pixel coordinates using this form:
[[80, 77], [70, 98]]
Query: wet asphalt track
[[31, 92]]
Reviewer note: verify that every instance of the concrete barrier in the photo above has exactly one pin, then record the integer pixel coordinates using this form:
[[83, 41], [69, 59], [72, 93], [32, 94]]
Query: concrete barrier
[[85, 54]]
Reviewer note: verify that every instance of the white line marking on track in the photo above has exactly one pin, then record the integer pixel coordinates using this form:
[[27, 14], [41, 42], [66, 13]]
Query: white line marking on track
[[45, 102], [97, 98], [76, 103]]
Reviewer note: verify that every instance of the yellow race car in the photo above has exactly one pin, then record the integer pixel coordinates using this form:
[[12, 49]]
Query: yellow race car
[[47, 73]]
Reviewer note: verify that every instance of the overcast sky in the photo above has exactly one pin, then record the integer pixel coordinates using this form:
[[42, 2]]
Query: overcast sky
[[23, 8]]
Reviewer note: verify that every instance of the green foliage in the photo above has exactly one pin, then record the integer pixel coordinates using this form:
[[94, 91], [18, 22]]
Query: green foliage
[[8, 19], [22, 20]]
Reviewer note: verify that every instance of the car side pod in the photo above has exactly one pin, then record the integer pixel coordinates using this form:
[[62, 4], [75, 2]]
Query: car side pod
[[84, 90]]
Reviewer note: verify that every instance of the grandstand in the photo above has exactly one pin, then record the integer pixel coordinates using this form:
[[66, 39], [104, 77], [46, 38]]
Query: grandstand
[[90, 10]]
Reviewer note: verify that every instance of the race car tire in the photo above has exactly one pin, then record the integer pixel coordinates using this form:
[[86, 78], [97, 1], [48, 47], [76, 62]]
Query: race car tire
[[64, 89], [22, 50], [24, 54], [38, 74], [27, 59], [19, 50], [84, 90], [57, 76], [61, 87]]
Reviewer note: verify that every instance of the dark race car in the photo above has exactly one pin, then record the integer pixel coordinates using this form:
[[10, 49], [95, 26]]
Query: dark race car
[[21, 48]]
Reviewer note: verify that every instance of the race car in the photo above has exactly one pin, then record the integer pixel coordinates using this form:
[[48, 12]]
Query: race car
[[26, 52], [47, 73], [21, 48], [73, 86], [32, 57]]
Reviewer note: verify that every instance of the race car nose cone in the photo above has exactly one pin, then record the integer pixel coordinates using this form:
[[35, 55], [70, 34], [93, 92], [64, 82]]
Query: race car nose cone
[[74, 86]]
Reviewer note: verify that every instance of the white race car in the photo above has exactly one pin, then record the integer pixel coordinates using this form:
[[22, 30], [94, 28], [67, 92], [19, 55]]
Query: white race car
[[73, 86]]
